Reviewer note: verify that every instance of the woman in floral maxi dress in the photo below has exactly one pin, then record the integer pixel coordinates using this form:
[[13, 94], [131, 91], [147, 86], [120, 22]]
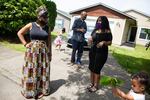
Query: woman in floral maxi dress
[[36, 69]]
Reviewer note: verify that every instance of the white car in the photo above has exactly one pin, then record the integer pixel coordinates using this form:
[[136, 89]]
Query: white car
[[87, 35]]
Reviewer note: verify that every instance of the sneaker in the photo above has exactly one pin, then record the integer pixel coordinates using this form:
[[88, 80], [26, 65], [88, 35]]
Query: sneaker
[[90, 86], [78, 62]]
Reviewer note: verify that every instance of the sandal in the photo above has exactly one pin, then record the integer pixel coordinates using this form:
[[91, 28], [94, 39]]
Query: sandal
[[90, 86], [47, 94], [38, 96], [93, 89], [28, 97]]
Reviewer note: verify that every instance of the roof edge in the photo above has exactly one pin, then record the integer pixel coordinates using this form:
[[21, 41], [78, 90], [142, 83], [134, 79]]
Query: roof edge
[[101, 4], [137, 11], [64, 13]]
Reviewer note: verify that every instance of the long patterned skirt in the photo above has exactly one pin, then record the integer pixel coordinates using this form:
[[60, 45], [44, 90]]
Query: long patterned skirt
[[36, 71]]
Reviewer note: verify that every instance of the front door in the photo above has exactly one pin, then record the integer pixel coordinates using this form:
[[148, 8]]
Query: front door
[[132, 34]]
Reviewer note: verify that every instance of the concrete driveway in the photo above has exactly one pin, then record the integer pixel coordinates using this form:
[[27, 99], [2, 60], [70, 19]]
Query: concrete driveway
[[66, 82]]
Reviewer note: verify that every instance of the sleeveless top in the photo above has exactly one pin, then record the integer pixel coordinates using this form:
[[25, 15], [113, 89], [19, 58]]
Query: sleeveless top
[[36, 33]]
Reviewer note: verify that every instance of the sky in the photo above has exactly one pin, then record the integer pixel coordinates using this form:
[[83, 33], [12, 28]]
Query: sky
[[122, 5]]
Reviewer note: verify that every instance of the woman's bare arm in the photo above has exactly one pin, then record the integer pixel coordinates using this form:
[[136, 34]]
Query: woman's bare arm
[[22, 31]]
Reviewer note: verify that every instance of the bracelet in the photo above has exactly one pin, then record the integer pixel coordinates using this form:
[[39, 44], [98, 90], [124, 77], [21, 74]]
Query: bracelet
[[25, 44]]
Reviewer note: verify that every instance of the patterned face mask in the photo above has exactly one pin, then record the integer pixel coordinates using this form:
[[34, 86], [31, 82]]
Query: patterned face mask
[[98, 26]]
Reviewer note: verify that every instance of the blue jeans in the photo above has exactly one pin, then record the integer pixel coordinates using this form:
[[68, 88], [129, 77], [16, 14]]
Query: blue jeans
[[76, 46]]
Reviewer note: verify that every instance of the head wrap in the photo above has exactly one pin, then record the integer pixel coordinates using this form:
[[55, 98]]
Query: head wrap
[[42, 13]]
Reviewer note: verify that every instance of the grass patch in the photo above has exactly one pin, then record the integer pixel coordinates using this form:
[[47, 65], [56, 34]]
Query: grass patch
[[54, 35], [132, 60], [17, 47]]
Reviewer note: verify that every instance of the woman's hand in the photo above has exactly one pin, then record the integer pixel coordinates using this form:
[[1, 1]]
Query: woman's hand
[[100, 44], [28, 45], [90, 40]]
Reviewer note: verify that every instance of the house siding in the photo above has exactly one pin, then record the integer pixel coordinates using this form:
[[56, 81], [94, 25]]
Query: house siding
[[100, 11], [118, 19], [66, 23], [118, 31], [142, 22]]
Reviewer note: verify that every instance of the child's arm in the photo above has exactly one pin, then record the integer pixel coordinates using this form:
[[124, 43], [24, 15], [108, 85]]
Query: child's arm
[[121, 94]]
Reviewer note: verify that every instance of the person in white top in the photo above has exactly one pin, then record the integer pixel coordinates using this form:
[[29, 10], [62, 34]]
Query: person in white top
[[140, 83]]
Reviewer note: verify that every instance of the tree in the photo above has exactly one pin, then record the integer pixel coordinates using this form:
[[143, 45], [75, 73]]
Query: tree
[[51, 7]]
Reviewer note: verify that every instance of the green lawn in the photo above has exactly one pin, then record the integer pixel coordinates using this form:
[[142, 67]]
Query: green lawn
[[54, 35], [134, 60], [19, 46]]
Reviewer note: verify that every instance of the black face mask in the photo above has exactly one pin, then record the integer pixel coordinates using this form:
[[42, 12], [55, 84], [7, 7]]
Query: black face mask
[[43, 22], [84, 17]]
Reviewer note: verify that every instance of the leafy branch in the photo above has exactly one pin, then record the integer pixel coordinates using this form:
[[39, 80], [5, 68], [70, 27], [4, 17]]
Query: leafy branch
[[111, 81]]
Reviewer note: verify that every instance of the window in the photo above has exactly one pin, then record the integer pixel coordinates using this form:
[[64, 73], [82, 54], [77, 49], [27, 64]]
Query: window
[[145, 34], [59, 23], [111, 24], [90, 29], [90, 25]]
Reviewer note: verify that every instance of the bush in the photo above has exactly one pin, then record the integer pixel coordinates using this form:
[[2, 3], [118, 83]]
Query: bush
[[15, 14]]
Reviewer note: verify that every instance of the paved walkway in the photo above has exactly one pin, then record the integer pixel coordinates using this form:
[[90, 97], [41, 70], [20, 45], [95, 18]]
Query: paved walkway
[[66, 82]]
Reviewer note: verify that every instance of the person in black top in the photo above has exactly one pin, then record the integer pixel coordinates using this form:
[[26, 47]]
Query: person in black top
[[36, 68], [100, 39], [79, 29]]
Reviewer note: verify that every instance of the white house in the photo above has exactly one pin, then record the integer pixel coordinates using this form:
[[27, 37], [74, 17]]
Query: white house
[[62, 21], [142, 27], [127, 27]]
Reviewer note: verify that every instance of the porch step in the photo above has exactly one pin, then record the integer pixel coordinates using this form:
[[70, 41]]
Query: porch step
[[129, 44]]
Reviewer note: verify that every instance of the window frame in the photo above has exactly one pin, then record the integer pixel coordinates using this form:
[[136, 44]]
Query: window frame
[[146, 38], [58, 25]]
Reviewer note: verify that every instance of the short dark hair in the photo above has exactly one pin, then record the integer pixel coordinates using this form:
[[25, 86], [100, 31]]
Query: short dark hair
[[143, 78], [63, 30]]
